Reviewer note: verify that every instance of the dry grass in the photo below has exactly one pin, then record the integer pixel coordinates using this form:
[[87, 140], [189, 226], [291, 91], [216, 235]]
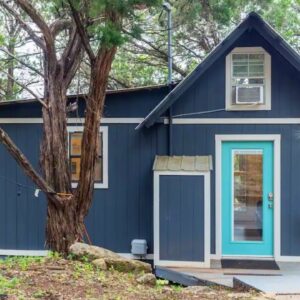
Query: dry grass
[[56, 278]]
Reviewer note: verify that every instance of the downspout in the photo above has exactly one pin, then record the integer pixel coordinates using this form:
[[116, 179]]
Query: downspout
[[168, 8]]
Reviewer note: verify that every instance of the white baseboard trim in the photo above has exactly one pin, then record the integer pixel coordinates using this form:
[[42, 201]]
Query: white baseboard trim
[[9, 252], [131, 256], [286, 258]]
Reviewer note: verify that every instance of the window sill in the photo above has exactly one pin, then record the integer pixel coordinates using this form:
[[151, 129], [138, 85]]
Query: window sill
[[103, 185], [248, 107]]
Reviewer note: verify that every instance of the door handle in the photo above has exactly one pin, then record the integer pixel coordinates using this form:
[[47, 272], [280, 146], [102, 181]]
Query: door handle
[[270, 205], [271, 196]]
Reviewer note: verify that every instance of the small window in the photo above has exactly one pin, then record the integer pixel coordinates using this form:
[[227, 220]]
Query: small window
[[248, 79], [75, 139]]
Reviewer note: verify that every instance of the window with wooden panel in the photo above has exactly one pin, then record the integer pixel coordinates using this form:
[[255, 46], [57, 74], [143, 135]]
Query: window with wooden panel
[[75, 139]]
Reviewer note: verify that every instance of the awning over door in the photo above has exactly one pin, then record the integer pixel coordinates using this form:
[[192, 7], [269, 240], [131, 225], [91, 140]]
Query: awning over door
[[183, 163]]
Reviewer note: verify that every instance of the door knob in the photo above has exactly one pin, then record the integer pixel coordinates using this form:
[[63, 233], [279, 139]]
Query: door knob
[[271, 196]]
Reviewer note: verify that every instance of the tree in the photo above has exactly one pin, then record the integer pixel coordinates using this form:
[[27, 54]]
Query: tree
[[198, 26], [93, 20]]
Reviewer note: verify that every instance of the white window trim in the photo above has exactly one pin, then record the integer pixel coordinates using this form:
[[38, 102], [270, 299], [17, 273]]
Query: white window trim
[[104, 131], [267, 69]]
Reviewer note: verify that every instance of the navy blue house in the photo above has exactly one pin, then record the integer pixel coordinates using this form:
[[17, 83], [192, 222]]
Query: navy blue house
[[208, 170]]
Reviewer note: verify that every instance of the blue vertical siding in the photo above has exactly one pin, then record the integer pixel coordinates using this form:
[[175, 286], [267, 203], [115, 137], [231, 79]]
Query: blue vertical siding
[[181, 218], [188, 144], [22, 217], [208, 92], [124, 211]]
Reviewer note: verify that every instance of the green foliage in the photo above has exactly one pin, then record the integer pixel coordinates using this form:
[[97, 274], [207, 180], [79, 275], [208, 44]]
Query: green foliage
[[22, 262], [54, 255], [7, 284]]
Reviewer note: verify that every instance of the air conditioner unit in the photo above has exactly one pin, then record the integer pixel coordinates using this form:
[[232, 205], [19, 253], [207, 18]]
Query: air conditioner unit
[[249, 94]]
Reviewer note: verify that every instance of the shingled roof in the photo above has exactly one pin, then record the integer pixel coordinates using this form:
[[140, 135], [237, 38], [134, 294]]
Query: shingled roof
[[183, 163]]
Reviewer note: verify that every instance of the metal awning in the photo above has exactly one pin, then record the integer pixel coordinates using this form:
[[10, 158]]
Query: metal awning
[[183, 163]]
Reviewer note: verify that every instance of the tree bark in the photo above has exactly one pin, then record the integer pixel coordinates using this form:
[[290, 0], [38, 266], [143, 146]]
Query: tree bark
[[62, 227], [94, 109]]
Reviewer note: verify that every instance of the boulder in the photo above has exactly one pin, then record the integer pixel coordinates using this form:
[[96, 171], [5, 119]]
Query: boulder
[[100, 264], [100, 256], [148, 279], [127, 265], [80, 250]]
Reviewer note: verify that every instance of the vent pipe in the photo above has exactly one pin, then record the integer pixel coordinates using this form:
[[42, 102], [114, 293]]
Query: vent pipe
[[168, 9]]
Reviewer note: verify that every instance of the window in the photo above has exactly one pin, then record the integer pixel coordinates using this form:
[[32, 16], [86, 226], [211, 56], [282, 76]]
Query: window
[[248, 79], [75, 138]]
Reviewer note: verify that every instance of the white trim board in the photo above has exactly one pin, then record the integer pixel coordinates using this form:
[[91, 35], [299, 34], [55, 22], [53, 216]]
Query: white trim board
[[11, 252], [233, 121], [71, 120], [156, 187], [131, 256], [104, 131], [275, 138], [180, 121]]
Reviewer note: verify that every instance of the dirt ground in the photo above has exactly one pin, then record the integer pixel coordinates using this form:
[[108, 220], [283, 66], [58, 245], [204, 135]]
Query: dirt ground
[[55, 278]]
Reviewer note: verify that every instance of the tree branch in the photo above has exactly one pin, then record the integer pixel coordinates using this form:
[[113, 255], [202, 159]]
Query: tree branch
[[21, 62], [26, 88], [26, 166], [58, 25], [38, 20], [82, 33], [23, 25], [71, 56]]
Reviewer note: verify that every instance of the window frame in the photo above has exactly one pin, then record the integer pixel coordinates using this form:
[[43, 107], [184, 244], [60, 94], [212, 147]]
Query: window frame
[[267, 78], [104, 132]]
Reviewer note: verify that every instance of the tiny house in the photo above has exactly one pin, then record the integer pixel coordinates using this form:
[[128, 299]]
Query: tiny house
[[207, 171]]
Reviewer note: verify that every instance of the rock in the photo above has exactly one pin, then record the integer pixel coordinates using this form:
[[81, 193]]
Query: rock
[[128, 265], [80, 250], [100, 264], [239, 295], [148, 279]]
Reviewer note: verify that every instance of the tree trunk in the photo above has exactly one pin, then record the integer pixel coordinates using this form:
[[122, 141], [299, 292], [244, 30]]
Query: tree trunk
[[94, 108], [63, 226], [65, 223]]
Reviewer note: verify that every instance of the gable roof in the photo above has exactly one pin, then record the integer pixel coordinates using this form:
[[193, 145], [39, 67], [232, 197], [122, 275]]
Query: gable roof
[[252, 21]]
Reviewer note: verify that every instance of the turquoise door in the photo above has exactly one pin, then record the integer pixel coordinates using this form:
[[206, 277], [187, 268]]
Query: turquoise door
[[247, 198]]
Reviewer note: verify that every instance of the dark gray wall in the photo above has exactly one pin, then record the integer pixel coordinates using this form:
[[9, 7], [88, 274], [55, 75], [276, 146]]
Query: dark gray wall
[[181, 218]]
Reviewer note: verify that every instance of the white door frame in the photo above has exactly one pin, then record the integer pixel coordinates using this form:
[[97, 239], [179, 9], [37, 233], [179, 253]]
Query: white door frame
[[276, 139], [157, 260]]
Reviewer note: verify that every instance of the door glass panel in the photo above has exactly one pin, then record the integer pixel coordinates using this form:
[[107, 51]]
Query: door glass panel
[[247, 195]]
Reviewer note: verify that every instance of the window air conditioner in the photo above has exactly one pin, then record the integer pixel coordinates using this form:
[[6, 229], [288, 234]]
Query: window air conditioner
[[249, 94]]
